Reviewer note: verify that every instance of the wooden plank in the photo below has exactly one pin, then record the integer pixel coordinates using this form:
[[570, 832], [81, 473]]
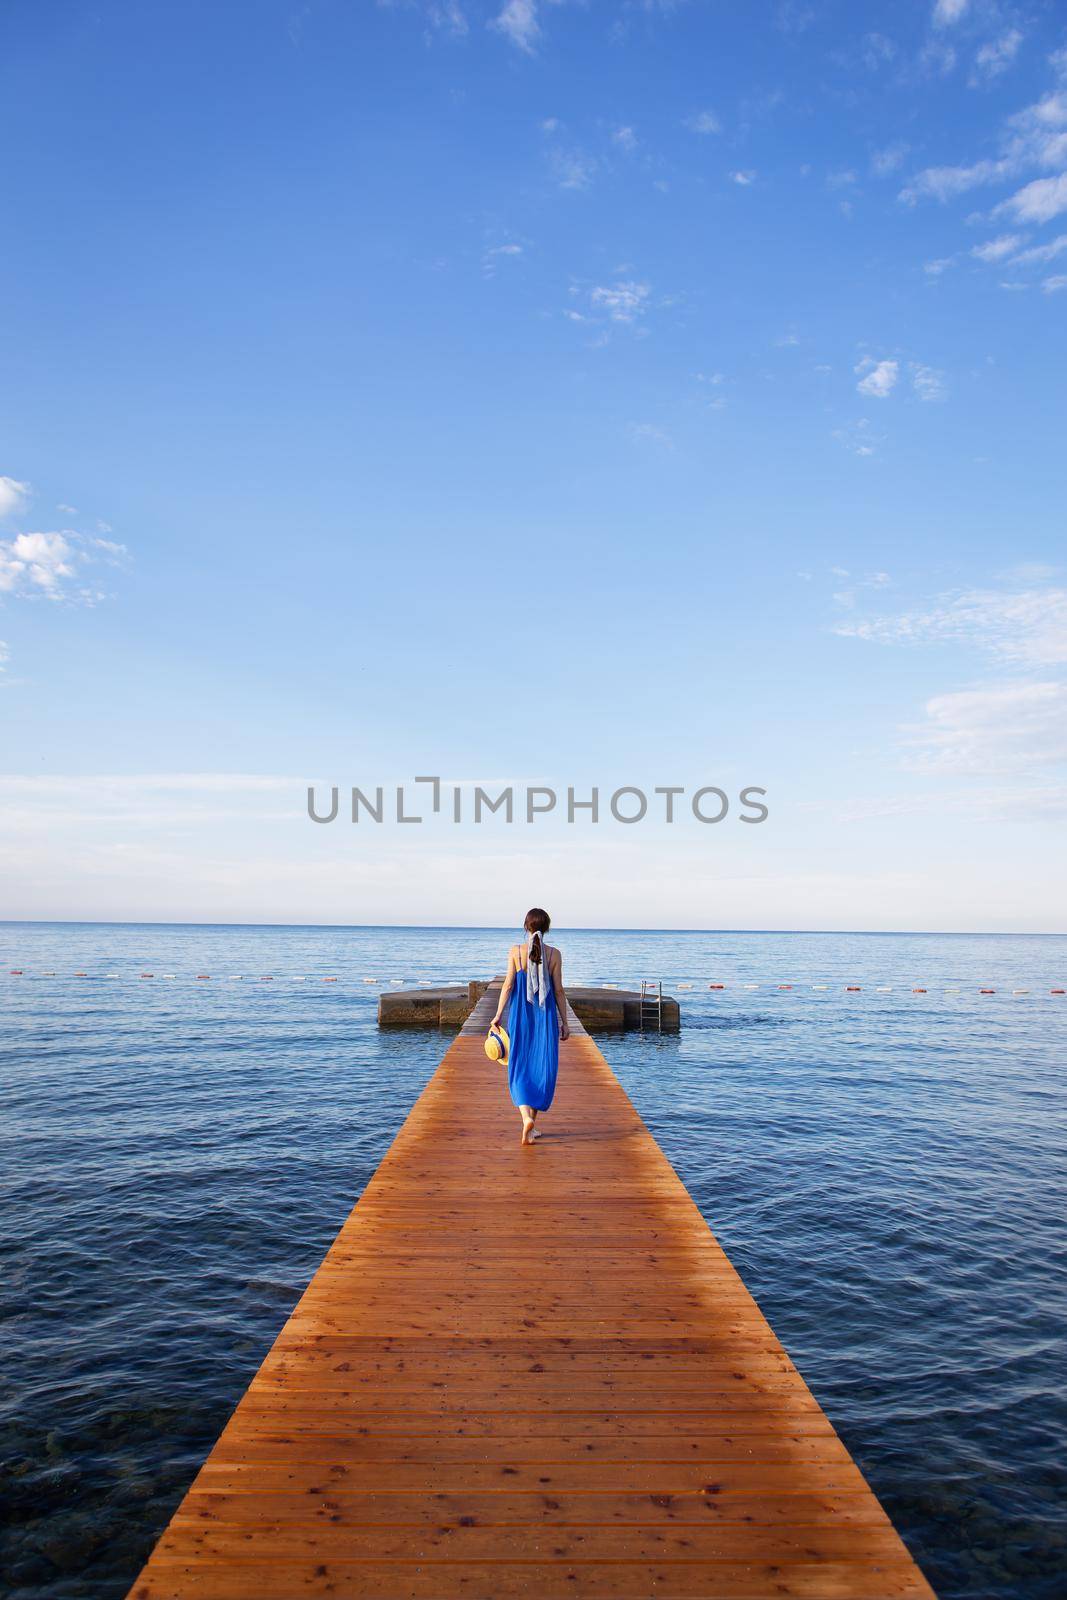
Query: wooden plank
[[528, 1371]]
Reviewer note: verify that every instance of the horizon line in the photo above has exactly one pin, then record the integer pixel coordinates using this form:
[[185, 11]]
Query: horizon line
[[491, 927]]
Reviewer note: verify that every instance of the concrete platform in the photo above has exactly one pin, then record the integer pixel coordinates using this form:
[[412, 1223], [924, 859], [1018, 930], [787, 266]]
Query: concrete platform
[[598, 1010]]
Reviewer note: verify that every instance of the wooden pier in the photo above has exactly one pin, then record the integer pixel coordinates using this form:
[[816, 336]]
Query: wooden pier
[[527, 1371]]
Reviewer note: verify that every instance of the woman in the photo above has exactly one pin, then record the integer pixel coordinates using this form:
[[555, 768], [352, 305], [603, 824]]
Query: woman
[[537, 1020]]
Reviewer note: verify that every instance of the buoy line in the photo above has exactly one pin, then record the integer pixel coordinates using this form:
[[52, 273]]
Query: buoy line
[[430, 983]]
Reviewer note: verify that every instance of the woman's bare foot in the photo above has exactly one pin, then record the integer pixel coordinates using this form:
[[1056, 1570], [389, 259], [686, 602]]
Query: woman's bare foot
[[528, 1134]]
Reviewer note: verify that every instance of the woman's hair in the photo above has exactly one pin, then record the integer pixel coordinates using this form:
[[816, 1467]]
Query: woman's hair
[[537, 922]]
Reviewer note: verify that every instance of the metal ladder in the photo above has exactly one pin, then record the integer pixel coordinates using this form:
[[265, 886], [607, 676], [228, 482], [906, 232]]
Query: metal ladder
[[650, 1011]]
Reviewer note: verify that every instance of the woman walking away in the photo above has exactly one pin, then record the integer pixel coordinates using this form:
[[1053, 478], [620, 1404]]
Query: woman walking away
[[537, 1020]]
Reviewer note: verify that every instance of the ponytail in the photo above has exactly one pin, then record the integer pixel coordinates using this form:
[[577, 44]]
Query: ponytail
[[537, 923]]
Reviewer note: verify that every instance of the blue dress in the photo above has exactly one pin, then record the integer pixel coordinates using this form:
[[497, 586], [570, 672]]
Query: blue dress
[[533, 1032]]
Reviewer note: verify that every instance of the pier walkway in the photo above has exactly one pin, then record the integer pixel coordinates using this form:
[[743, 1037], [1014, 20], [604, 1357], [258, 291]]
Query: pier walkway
[[527, 1371]]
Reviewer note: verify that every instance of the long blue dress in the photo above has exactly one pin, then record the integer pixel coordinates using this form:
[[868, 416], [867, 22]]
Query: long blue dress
[[533, 1031]]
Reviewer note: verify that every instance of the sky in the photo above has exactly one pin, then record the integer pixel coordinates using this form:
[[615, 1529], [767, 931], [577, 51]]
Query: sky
[[577, 395]]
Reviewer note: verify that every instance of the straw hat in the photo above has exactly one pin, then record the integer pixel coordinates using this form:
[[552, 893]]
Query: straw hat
[[497, 1043]]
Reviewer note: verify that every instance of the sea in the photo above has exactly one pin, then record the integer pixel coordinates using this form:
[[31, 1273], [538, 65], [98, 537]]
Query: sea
[[190, 1112]]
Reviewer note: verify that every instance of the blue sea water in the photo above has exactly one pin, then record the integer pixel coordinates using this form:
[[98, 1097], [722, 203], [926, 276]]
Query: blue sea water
[[885, 1169]]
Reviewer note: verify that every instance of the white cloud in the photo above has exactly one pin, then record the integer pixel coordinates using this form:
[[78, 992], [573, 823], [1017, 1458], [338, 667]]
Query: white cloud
[[1011, 727], [743, 178], [879, 377], [489, 265], [573, 168], [861, 440], [703, 122], [114, 553], [13, 495], [996, 57], [944, 183], [5, 655], [1025, 627], [1036, 136], [47, 564], [448, 15], [1007, 726], [928, 383], [518, 22], [1056, 284], [937, 55], [934, 269], [1042, 252], [625, 138], [1038, 201], [877, 51], [997, 249], [847, 597], [887, 160], [35, 561], [946, 12], [623, 302]]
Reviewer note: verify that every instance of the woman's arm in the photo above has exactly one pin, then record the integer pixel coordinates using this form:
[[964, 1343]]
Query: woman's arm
[[561, 997], [505, 988]]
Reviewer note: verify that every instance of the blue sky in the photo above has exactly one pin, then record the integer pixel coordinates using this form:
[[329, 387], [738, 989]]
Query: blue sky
[[568, 394]]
